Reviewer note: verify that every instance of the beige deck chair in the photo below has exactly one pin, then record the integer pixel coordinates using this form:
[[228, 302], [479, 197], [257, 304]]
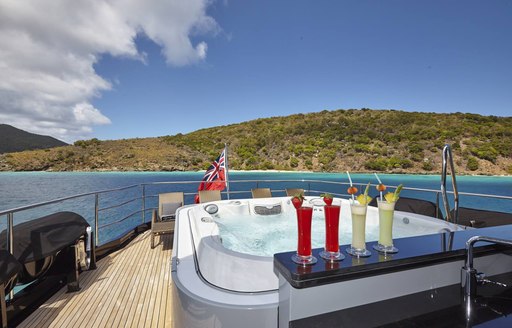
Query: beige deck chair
[[163, 220], [206, 196], [294, 191], [261, 193]]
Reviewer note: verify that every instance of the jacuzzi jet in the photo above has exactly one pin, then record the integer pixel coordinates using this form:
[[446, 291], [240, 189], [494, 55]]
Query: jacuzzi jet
[[211, 208], [206, 220], [406, 220]]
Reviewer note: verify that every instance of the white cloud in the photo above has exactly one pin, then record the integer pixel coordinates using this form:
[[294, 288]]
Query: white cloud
[[86, 114], [201, 50], [48, 49]]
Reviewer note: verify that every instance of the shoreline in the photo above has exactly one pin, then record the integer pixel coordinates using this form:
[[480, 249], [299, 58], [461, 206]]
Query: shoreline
[[265, 171]]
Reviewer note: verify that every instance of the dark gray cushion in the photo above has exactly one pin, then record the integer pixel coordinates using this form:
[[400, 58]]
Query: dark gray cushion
[[169, 210]]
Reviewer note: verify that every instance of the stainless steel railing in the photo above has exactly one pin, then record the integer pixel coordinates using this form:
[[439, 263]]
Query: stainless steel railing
[[448, 159], [10, 212], [308, 185]]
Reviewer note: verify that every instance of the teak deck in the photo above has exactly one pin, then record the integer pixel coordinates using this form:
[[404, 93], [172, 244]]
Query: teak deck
[[130, 288]]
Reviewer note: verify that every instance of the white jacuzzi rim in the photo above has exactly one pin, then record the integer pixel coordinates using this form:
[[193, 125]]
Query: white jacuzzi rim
[[207, 246]]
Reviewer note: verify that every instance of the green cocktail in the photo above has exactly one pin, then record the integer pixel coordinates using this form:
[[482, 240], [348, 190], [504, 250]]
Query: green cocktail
[[358, 247], [386, 212]]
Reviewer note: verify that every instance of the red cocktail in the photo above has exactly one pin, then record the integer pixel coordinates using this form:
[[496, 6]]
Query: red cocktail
[[332, 220], [332, 247], [304, 218]]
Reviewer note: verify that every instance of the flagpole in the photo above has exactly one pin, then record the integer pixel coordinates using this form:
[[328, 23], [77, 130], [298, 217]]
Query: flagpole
[[226, 163]]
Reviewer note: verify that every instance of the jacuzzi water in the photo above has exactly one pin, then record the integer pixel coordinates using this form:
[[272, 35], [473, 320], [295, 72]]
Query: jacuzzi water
[[266, 235]]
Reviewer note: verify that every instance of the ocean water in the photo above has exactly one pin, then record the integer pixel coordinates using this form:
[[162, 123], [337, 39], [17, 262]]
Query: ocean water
[[24, 188]]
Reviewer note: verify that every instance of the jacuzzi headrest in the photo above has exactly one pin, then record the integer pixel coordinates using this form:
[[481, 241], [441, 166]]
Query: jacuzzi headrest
[[267, 209]]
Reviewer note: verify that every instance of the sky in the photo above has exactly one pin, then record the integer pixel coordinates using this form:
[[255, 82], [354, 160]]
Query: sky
[[114, 69]]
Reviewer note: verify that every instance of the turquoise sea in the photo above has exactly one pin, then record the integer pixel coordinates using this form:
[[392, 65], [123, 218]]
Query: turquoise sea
[[24, 188]]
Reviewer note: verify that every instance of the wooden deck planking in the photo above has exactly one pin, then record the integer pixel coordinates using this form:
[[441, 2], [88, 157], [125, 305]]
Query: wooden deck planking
[[116, 283], [136, 297], [117, 319], [140, 312], [130, 288]]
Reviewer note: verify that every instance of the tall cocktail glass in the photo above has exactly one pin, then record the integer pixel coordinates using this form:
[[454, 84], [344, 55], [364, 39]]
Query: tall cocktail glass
[[385, 243], [358, 246], [331, 251], [304, 255]]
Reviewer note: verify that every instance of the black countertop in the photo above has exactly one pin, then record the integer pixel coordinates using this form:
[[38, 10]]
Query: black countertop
[[441, 307], [413, 252]]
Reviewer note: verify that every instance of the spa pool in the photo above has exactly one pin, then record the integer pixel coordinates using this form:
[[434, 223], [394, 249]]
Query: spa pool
[[242, 230], [222, 265]]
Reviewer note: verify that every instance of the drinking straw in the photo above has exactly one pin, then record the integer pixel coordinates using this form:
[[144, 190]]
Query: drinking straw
[[380, 182], [350, 180]]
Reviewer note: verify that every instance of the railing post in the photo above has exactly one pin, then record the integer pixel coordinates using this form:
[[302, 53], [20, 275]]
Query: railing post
[[10, 240], [143, 204], [96, 219], [437, 205], [10, 226]]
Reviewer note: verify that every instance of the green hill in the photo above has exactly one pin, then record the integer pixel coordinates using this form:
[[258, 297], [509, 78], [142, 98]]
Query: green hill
[[331, 141], [14, 140]]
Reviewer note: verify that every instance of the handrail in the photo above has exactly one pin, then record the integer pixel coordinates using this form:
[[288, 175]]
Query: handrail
[[373, 185], [448, 159], [124, 218], [120, 204], [144, 196], [53, 201]]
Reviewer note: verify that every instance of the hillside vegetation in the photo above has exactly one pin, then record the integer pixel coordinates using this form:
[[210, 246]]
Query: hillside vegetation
[[331, 141], [14, 140]]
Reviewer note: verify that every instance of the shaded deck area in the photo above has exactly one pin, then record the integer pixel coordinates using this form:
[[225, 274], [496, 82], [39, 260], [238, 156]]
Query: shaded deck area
[[130, 288]]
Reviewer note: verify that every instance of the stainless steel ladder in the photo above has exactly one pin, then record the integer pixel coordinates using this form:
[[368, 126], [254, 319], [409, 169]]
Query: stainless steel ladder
[[448, 159]]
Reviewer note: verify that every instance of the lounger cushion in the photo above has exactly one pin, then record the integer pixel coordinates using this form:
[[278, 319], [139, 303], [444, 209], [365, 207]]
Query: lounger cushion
[[412, 205], [482, 218], [169, 210]]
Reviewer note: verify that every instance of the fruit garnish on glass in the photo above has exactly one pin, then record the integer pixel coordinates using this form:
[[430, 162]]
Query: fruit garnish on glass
[[352, 190], [392, 197], [327, 198], [381, 187], [297, 200], [364, 199]]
